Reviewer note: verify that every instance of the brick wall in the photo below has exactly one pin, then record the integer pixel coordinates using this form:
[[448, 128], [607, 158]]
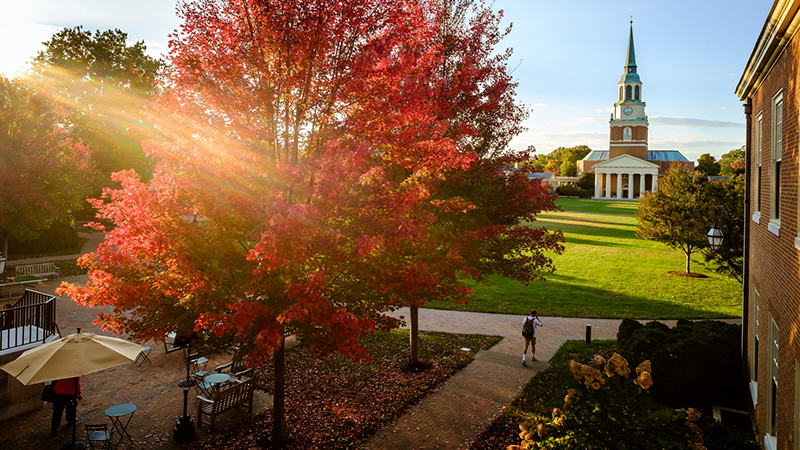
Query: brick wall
[[774, 260]]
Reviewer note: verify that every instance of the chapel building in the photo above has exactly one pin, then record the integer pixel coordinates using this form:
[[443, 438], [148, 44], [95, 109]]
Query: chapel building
[[629, 168]]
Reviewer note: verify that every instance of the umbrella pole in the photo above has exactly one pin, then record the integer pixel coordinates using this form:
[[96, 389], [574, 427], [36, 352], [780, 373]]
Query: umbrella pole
[[75, 445]]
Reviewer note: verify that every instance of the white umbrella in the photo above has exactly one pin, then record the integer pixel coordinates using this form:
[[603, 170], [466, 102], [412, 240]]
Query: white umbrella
[[71, 356]]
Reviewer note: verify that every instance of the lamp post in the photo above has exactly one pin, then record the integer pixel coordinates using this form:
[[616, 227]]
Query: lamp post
[[184, 429]]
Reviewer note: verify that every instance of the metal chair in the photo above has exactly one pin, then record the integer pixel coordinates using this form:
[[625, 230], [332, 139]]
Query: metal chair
[[99, 435], [143, 356], [198, 363]]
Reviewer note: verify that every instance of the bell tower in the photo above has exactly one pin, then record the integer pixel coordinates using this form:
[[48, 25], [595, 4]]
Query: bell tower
[[628, 121]]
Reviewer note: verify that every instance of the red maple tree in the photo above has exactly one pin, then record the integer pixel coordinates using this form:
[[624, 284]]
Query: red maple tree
[[327, 161]]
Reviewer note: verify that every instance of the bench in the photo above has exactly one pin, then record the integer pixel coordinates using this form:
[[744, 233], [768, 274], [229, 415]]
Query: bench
[[40, 269], [224, 400]]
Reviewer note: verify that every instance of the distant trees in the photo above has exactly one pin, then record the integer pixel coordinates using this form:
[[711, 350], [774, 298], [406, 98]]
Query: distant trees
[[102, 87], [43, 173], [561, 161], [707, 165], [732, 163]]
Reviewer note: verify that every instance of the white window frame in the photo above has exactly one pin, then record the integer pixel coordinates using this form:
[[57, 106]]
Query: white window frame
[[757, 154], [754, 347], [771, 429], [776, 157]]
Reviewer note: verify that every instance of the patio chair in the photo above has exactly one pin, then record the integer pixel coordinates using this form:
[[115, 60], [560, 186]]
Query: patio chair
[[198, 363], [143, 356], [99, 435]]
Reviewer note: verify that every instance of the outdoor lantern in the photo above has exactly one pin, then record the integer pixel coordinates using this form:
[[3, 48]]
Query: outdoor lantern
[[2, 264], [715, 237]]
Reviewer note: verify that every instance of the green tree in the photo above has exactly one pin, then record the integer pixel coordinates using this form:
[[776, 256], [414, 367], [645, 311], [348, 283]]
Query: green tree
[[732, 163], [43, 173], [677, 213], [727, 197], [707, 165], [103, 86], [586, 180], [555, 160]]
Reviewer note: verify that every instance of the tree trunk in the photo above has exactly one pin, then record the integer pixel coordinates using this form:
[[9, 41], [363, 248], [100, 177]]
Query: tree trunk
[[414, 335], [688, 262], [279, 394]]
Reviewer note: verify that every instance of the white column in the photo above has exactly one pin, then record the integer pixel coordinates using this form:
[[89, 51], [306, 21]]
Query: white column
[[655, 182], [608, 185], [619, 186], [630, 186], [641, 184], [597, 187]]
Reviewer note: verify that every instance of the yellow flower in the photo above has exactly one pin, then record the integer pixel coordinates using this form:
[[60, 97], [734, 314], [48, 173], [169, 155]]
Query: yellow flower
[[644, 380], [592, 377], [644, 367], [692, 415], [560, 420], [576, 369], [617, 365]]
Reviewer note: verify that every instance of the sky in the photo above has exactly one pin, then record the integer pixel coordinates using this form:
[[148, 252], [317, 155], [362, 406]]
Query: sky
[[568, 56]]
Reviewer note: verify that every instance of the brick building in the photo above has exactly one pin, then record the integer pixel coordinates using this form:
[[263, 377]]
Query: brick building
[[629, 169], [771, 311]]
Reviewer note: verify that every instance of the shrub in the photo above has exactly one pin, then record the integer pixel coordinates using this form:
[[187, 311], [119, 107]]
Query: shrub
[[586, 181], [59, 236], [696, 362], [569, 190], [609, 407]]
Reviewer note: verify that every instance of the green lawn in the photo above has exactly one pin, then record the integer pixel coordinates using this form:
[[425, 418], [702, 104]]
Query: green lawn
[[598, 206], [608, 272]]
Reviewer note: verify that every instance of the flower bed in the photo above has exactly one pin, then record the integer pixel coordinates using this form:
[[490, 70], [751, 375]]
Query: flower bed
[[336, 403]]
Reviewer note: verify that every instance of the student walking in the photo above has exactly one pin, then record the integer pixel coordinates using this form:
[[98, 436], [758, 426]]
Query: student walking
[[529, 325]]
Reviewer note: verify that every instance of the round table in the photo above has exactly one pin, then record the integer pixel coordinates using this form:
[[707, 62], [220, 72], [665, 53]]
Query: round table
[[216, 379], [115, 413]]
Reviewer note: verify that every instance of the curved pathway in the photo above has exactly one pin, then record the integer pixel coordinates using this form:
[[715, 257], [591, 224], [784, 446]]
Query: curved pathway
[[453, 416]]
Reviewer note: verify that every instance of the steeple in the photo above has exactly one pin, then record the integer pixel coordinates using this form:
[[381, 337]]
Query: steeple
[[629, 121], [630, 65]]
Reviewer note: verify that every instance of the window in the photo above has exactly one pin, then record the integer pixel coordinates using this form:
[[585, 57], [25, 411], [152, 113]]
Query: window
[[636, 92], [754, 347], [770, 437], [626, 134], [620, 93], [757, 154], [777, 156], [628, 92]]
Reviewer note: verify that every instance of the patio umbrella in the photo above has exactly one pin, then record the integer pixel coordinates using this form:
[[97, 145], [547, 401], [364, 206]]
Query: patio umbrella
[[71, 356]]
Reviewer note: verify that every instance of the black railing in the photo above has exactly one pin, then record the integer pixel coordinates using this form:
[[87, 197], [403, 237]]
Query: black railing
[[32, 319]]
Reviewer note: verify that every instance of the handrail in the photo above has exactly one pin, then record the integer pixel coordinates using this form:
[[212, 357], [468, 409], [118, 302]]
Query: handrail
[[32, 319]]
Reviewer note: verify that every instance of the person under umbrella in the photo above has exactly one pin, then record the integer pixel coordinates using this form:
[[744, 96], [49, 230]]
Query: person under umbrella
[[70, 357], [65, 391]]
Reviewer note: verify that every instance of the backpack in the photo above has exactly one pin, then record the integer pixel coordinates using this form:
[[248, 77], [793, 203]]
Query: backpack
[[49, 393], [527, 329]]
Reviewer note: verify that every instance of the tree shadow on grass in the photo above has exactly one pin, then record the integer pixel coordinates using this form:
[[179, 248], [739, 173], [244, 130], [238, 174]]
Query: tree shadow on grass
[[563, 296]]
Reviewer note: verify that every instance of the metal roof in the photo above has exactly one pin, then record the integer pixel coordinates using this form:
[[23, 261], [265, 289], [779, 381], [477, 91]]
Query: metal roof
[[652, 155]]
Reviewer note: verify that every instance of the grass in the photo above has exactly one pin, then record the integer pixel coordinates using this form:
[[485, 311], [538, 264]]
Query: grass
[[608, 272], [588, 205], [337, 403]]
